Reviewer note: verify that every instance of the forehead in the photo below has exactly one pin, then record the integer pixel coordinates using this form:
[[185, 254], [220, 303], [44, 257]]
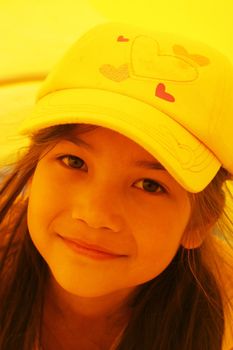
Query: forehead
[[102, 137], [107, 140], [102, 141]]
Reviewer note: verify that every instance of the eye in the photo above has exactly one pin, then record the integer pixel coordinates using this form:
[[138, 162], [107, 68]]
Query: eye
[[149, 185], [73, 160]]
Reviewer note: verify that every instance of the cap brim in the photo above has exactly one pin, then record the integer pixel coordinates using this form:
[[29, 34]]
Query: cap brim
[[185, 157]]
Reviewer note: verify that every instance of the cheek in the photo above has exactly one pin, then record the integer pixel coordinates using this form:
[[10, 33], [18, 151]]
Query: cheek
[[156, 252], [43, 205], [157, 237], [153, 254], [46, 195], [163, 221]]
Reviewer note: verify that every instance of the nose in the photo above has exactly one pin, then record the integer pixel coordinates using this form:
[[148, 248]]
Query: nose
[[94, 224], [99, 208]]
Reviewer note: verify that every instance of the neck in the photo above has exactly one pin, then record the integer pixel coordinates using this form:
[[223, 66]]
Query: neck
[[69, 319], [108, 307]]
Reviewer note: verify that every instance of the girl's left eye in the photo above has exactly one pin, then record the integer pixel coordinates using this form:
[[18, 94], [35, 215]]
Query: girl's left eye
[[147, 182]]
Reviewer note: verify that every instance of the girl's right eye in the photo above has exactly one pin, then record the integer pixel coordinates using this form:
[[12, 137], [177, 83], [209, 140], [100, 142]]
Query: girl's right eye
[[73, 158]]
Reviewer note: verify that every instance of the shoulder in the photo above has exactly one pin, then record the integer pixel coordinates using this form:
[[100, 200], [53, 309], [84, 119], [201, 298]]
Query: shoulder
[[228, 334], [227, 253], [37, 345], [222, 268]]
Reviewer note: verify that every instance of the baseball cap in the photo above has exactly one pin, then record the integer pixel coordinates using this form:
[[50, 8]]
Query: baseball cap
[[170, 94]]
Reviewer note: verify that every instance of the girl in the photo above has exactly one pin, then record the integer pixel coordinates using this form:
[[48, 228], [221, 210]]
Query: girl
[[114, 224]]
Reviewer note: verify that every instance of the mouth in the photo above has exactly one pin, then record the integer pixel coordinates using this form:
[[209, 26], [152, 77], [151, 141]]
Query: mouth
[[89, 251]]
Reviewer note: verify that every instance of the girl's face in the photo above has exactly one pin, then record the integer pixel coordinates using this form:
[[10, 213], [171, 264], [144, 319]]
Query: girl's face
[[100, 196]]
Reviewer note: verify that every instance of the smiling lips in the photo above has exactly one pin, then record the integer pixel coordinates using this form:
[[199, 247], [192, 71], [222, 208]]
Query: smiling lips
[[92, 249]]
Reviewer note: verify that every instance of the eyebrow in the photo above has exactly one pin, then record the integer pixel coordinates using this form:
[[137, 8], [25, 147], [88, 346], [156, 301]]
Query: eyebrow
[[140, 163]]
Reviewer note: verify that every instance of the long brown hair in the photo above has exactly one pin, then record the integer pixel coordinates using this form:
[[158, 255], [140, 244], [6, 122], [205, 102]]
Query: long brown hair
[[185, 307]]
